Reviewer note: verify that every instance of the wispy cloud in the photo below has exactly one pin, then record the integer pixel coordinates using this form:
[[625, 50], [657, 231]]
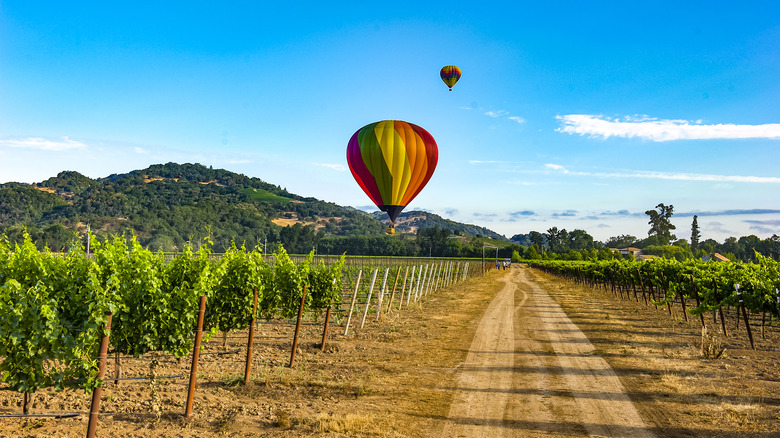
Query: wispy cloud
[[338, 167], [515, 216], [485, 162], [556, 167], [676, 176], [62, 144], [504, 114], [615, 213], [139, 150], [653, 129], [716, 227], [567, 213], [498, 113], [751, 211], [765, 227]]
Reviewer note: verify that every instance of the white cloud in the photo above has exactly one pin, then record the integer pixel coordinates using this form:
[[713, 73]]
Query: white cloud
[[64, 143], [671, 176], [338, 167], [556, 167], [484, 162], [517, 119], [139, 150], [661, 130], [498, 113]]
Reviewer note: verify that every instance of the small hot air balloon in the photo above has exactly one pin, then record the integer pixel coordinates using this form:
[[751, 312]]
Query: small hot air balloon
[[450, 75], [392, 161]]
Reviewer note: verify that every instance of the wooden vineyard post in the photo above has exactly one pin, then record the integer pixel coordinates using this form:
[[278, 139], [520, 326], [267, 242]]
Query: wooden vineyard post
[[763, 321], [435, 278], [298, 327], [403, 289], [411, 286], [744, 316], [368, 299], [103, 356], [381, 294], [117, 368], [250, 342], [352, 304], [392, 294], [421, 283], [427, 280], [195, 356], [431, 273], [325, 330]]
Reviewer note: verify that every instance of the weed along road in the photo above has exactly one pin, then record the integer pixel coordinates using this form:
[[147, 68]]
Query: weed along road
[[531, 372]]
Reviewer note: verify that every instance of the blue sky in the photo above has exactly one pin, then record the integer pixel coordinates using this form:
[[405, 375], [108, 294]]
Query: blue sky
[[578, 115]]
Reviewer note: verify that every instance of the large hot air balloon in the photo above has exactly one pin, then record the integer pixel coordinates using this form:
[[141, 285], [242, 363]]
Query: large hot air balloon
[[392, 161], [450, 75]]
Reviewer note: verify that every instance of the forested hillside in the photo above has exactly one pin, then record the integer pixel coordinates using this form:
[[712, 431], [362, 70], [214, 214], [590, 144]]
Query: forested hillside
[[167, 205], [412, 221]]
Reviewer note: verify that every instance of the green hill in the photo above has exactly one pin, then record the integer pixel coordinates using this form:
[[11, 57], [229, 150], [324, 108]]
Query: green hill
[[166, 205], [411, 221]]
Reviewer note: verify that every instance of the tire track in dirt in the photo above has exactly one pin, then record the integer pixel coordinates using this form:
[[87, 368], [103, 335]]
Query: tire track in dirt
[[531, 372]]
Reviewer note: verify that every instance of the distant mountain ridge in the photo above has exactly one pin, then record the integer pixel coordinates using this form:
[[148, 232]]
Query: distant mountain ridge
[[411, 221], [166, 205]]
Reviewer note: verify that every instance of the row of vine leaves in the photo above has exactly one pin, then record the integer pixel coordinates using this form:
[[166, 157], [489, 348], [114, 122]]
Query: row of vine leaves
[[54, 307]]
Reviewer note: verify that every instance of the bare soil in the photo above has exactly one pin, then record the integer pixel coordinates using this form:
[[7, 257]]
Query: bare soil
[[518, 353]]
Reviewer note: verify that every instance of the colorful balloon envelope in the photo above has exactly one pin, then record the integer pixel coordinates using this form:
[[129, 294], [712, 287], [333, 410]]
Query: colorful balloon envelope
[[450, 75], [392, 161]]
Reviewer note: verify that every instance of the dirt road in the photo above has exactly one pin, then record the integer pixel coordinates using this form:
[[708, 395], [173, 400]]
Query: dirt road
[[531, 372]]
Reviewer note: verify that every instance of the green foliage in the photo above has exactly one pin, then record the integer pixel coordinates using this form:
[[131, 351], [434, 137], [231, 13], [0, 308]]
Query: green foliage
[[53, 307], [155, 306], [660, 225], [236, 276], [287, 285], [325, 284], [51, 318], [714, 284]]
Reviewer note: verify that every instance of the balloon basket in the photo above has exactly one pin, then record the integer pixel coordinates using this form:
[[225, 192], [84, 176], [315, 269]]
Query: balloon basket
[[390, 230]]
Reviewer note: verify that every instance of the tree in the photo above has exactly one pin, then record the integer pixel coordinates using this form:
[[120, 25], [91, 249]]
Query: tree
[[622, 241], [433, 241], [695, 234], [557, 240], [579, 240], [532, 254], [659, 223], [536, 239]]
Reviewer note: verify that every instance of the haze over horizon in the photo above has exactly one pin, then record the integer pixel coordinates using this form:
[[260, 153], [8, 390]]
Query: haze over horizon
[[570, 115]]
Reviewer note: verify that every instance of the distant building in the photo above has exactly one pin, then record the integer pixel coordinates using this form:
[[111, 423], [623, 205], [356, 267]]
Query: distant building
[[632, 251], [645, 257], [715, 257]]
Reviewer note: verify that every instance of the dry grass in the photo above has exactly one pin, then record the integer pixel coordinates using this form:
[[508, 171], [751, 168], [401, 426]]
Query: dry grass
[[678, 376]]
